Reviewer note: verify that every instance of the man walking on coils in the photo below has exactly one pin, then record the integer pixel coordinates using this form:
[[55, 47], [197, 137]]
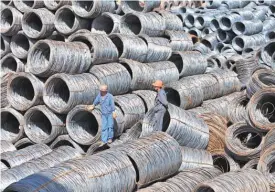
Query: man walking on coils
[[161, 104], [107, 104]]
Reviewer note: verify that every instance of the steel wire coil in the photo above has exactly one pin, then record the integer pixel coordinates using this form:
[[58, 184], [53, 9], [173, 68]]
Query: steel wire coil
[[10, 63], [210, 40], [114, 75], [25, 6], [268, 24], [5, 45], [57, 37], [55, 5], [97, 148], [251, 4], [243, 142], [193, 158], [83, 126], [161, 153], [106, 22], [141, 74], [41, 125], [261, 109], [247, 14], [252, 164], [184, 181], [219, 47], [11, 125], [113, 171], [206, 31], [63, 92], [195, 31], [218, 61], [57, 156], [190, 19], [92, 9], [227, 21], [15, 158], [260, 14], [241, 42], [214, 23], [20, 45], [179, 123], [268, 141], [10, 21], [232, 4], [203, 21], [262, 78], [38, 23], [135, 6], [48, 57], [4, 92], [189, 63], [239, 181], [151, 24], [229, 49], [167, 71], [133, 108], [213, 4], [158, 48], [225, 36], [24, 91], [23, 143], [267, 52], [133, 133], [224, 162], [97, 44], [3, 167], [65, 140], [148, 98], [130, 46], [179, 40], [66, 22], [201, 48], [172, 21], [6, 146], [7, 3], [269, 35], [247, 27]]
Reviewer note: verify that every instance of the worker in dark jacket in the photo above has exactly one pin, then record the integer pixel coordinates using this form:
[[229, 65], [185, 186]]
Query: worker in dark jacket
[[161, 104], [106, 101]]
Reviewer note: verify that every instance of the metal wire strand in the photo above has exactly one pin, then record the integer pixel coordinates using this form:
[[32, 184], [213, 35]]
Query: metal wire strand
[[135, 6], [132, 134], [23, 143], [247, 27], [151, 24], [63, 92], [106, 22], [261, 110], [130, 47], [24, 91], [267, 52], [172, 21], [57, 156], [66, 22], [158, 48], [179, 40], [11, 125], [114, 75], [66, 141], [10, 63], [48, 57], [38, 23], [148, 97], [210, 40], [42, 125], [179, 123], [268, 140], [97, 44], [5, 45], [6, 146], [4, 87], [55, 5], [15, 158], [252, 164], [92, 9], [25, 6], [236, 181], [224, 162], [10, 22]]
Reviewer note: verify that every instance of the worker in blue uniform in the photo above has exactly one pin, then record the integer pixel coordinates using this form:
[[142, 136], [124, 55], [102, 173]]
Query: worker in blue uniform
[[107, 104], [161, 104]]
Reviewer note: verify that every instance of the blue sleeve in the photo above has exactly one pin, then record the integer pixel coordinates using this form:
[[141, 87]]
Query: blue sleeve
[[163, 98], [112, 103], [97, 100]]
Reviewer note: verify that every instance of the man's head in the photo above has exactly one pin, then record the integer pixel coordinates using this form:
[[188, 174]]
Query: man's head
[[103, 89], [158, 84]]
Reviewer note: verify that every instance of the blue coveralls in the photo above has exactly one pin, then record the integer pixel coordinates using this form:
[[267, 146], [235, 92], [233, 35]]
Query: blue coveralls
[[107, 108], [160, 108]]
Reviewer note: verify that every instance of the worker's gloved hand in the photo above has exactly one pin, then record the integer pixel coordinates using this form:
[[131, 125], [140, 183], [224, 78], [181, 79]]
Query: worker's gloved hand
[[90, 107], [114, 115]]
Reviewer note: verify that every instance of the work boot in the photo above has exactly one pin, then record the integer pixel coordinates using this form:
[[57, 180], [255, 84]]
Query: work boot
[[110, 141]]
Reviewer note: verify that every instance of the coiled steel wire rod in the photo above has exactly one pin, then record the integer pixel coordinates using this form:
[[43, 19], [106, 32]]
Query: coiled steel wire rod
[[206, 31], [261, 110], [7, 3], [151, 24], [269, 24], [57, 156], [63, 92], [6, 146], [15, 158], [114, 75], [158, 48], [10, 63], [48, 57], [38, 23], [54, 5], [203, 21], [83, 126], [133, 133], [4, 86], [24, 91], [10, 22], [65, 140], [25, 6], [225, 36], [97, 44], [66, 22], [3, 167], [203, 49], [179, 123], [172, 21], [238, 181], [130, 47], [226, 22], [179, 40], [190, 19], [242, 42], [42, 125], [195, 31], [5, 45], [92, 9], [210, 40], [247, 27], [148, 98], [23, 143], [268, 140], [267, 52], [252, 164], [106, 22], [260, 14], [224, 162], [11, 125], [135, 6]]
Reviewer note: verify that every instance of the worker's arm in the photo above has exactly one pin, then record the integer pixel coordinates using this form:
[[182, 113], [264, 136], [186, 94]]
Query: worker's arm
[[95, 103]]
